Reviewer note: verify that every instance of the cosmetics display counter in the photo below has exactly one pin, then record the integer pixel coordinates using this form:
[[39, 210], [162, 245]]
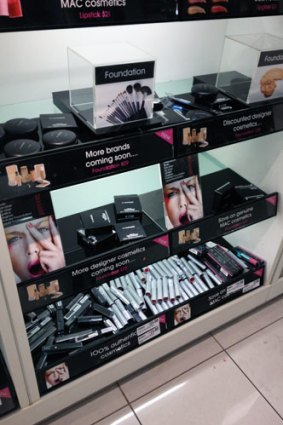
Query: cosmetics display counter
[[158, 325], [93, 337]]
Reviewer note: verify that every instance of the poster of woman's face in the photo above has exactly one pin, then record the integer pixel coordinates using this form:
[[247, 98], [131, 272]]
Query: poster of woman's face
[[182, 314], [183, 201], [56, 375], [35, 248]]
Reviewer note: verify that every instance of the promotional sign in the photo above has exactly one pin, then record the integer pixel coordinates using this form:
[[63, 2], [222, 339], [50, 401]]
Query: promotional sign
[[181, 191], [267, 82], [48, 14]]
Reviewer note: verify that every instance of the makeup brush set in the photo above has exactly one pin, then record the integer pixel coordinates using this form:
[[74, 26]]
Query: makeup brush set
[[129, 105]]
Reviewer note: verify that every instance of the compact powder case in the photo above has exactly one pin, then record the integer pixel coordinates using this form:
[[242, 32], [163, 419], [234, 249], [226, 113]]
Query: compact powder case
[[59, 139], [21, 128], [21, 147]]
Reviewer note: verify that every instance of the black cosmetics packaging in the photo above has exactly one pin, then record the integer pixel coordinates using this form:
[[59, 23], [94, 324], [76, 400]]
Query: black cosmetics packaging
[[129, 231], [127, 207], [224, 197], [96, 243], [57, 122], [96, 222]]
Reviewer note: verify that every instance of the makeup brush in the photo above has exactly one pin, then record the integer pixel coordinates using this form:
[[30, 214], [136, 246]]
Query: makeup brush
[[129, 90], [146, 109], [138, 96]]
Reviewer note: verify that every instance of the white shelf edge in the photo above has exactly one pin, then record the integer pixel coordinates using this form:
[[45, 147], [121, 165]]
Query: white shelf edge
[[117, 369]]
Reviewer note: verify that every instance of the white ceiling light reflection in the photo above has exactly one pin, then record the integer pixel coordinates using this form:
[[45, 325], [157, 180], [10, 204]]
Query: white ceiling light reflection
[[122, 419], [159, 397]]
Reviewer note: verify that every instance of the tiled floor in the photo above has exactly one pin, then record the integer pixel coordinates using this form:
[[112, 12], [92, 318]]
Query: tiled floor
[[233, 376]]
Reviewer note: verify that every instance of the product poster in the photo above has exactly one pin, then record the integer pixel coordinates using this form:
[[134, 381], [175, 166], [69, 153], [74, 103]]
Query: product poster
[[32, 236], [267, 83], [50, 14], [181, 191]]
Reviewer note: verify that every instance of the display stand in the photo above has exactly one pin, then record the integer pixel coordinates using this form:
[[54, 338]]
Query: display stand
[[33, 406]]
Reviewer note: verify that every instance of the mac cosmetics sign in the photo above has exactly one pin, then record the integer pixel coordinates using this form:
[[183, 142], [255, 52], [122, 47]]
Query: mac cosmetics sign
[[50, 14]]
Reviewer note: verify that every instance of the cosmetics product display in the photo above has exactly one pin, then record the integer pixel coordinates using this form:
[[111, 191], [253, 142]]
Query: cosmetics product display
[[170, 286], [27, 176], [96, 221], [129, 231], [59, 138], [105, 228], [127, 207], [123, 87], [21, 147], [50, 122], [21, 128]]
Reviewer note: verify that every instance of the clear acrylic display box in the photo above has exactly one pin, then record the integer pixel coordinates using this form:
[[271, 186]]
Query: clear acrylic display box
[[111, 84], [252, 67]]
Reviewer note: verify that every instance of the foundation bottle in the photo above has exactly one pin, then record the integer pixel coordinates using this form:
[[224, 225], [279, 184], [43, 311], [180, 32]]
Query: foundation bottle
[[26, 176], [39, 171], [18, 179], [11, 174]]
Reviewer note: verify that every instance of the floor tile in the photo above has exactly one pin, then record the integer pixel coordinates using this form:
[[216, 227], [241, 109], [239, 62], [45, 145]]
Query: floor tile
[[92, 410], [214, 393], [261, 358], [123, 417], [163, 371], [249, 323]]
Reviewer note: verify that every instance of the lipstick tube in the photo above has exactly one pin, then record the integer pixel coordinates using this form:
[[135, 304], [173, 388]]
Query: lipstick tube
[[141, 276], [74, 301], [138, 300], [90, 320], [102, 310], [118, 294], [200, 282], [159, 293], [153, 291], [165, 288], [191, 288], [196, 269], [176, 286], [152, 307], [208, 280], [117, 322], [72, 336], [159, 270], [148, 288], [184, 296], [98, 296], [131, 300], [128, 317], [119, 315], [197, 262], [112, 284], [215, 278], [118, 283], [105, 295], [110, 324], [186, 290], [136, 284], [196, 284], [172, 295], [80, 339]]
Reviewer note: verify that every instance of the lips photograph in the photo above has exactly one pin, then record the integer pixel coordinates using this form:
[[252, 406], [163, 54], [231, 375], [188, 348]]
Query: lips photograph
[[35, 248]]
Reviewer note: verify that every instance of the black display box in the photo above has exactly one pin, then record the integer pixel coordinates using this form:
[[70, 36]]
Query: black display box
[[98, 353]]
